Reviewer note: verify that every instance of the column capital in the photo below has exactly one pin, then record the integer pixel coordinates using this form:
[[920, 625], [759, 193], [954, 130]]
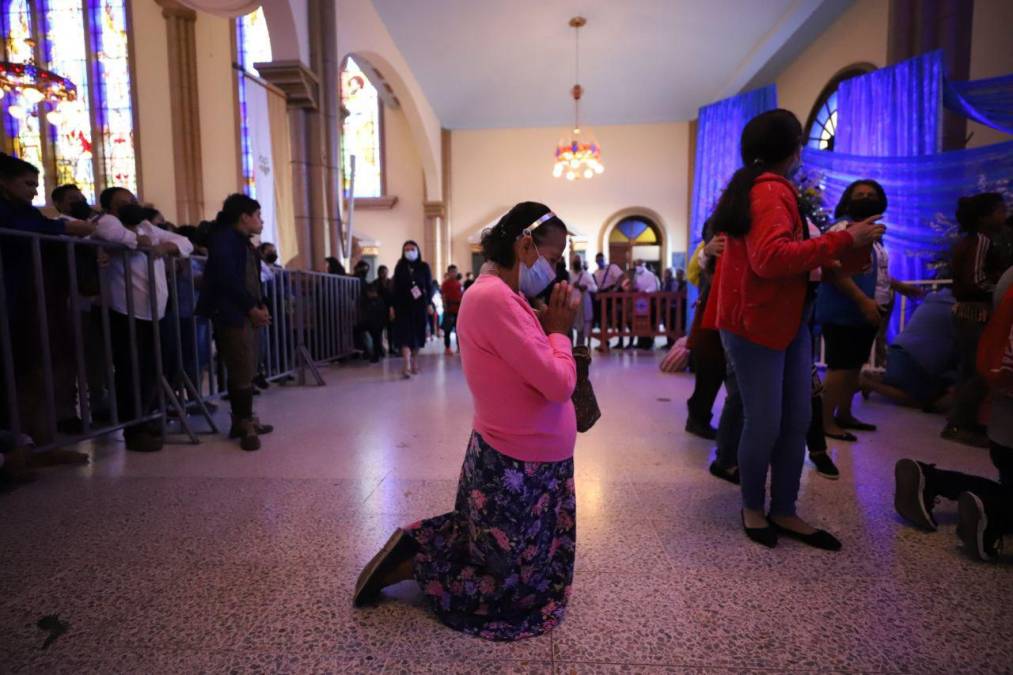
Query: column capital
[[300, 84], [172, 9], [434, 209]]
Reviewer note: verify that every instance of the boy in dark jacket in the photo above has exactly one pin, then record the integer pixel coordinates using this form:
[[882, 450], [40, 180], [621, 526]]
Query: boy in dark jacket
[[232, 299]]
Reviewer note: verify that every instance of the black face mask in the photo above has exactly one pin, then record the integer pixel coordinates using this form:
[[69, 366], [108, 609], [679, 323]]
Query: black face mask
[[81, 210], [860, 209], [131, 215], [271, 258]]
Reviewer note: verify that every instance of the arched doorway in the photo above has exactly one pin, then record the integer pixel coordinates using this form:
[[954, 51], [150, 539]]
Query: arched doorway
[[636, 237]]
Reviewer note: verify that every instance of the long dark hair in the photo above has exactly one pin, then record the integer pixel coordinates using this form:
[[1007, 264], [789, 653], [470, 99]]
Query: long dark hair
[[767, 140], [235, 207], [498, 241], [845, 200]]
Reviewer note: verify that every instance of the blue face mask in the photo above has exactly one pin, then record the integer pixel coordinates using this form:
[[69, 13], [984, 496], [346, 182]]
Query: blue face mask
[[535, 279]]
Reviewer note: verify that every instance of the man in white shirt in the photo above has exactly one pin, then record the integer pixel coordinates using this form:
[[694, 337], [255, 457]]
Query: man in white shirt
[[644, 280], [123, 222], [608, 279]]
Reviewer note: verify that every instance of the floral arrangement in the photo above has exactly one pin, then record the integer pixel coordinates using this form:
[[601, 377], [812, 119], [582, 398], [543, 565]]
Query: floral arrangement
[[811, 199]]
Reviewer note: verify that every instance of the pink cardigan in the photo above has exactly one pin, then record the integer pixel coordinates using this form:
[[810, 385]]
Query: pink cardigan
[[520, 378]]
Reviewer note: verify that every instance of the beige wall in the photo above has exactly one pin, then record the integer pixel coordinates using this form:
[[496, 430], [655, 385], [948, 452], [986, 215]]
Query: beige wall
[[151, 71], [991, 56], [218, 118], [645, 166], [219, 153], [858, 36], [404, 180]]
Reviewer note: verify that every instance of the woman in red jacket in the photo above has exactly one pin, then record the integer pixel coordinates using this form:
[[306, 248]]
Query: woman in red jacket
[[762, 301]]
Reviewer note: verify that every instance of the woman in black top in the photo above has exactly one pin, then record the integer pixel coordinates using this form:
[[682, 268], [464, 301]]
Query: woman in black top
[[413, 290]]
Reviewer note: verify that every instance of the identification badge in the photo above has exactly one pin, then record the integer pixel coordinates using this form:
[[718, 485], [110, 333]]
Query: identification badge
[[416, 293]]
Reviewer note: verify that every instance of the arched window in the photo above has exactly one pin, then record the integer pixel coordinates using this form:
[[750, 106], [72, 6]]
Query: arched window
[[821, 128], [88, 141], [253, 45], [635, 238], [362, 130]]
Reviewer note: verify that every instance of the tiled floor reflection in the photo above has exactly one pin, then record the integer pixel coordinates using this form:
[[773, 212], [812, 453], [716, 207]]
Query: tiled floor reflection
[[207, 559]]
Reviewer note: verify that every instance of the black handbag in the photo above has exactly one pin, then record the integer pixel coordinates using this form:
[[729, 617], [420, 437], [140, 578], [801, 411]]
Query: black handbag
[[584, 401]]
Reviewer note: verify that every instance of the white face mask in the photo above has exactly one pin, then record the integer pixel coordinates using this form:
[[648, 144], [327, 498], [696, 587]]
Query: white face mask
[[535, 279], [412, 254]]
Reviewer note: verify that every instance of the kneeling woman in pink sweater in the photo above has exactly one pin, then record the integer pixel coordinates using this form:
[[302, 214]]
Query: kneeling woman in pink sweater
[[500, 564]]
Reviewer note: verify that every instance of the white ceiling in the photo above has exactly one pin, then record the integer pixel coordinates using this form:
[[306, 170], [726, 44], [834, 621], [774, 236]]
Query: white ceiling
[[510, 63]]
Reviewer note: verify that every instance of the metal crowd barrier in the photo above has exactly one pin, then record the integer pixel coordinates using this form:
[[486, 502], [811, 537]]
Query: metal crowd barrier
[[629, 315], [57, 360]]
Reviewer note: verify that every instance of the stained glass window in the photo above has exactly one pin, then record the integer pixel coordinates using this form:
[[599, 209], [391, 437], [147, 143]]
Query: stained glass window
[[21, 116], [71, 124], [361, 132], [253, 44], [114, 105], [88, 140], [824, 124]]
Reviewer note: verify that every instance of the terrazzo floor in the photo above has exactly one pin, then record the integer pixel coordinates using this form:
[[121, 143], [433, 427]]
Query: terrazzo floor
[[207, 559]]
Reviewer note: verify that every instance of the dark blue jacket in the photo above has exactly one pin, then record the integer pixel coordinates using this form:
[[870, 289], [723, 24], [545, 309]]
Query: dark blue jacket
[[225, 295]]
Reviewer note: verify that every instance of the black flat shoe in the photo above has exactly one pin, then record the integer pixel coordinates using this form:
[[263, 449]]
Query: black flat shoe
[[849, 437], [730, 474], [856, 425], [761, 535], [705, 431], [820, 539], [398, 548]]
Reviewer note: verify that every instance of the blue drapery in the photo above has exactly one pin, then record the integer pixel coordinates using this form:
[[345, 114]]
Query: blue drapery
[[718, 134], [893, 112], [922, 193], [989, 102]]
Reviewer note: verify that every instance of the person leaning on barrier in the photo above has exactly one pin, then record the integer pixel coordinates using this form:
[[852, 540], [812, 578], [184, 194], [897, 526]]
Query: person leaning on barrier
[[232, 298], [123, 222], [19, 185]]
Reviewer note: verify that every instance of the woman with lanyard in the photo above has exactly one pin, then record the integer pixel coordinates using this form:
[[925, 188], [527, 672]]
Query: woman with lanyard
[[500, 565], [413, 291], [850, 307]]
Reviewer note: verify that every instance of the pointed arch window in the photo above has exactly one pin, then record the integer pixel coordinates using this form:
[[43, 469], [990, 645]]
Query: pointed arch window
[[362, 132], [90, 140]]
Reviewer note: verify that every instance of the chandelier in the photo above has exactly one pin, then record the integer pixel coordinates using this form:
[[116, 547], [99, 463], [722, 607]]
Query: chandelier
[[578, 155], [24, 86]]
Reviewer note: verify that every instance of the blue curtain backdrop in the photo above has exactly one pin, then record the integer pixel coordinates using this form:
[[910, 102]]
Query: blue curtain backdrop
[[718, 132], [893, 112], [922, 193], [989, 102]]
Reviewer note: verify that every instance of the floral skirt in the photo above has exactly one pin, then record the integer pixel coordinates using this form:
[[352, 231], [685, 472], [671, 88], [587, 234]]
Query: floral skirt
[[500, 565]]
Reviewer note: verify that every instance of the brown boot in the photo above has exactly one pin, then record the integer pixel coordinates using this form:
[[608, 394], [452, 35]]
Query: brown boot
[[246, 432]]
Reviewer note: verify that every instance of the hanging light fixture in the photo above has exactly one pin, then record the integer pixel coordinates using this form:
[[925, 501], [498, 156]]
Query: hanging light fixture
[[578, 155], [25, 86]]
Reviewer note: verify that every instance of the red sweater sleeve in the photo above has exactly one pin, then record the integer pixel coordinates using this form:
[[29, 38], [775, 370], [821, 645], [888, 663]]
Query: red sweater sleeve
[[772, 246]]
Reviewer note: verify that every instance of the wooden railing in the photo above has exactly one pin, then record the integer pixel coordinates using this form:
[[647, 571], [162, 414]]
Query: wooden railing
[[630, 315]]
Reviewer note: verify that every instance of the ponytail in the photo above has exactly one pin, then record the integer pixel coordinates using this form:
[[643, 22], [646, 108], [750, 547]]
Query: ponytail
[[767, 140]]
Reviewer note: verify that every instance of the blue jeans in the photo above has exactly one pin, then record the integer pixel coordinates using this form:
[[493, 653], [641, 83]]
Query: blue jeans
[[776, 390]]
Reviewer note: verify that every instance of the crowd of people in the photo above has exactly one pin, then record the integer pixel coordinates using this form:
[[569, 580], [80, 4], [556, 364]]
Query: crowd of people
[[500, 565], [104, 304]]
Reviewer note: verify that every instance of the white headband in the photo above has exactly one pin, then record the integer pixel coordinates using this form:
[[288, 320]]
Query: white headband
[[548, 216]]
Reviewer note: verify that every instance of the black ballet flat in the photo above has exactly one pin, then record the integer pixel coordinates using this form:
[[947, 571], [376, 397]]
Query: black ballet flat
[[820, 539], [846, 436], [856, 425], [730, 474], [761, 535]]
